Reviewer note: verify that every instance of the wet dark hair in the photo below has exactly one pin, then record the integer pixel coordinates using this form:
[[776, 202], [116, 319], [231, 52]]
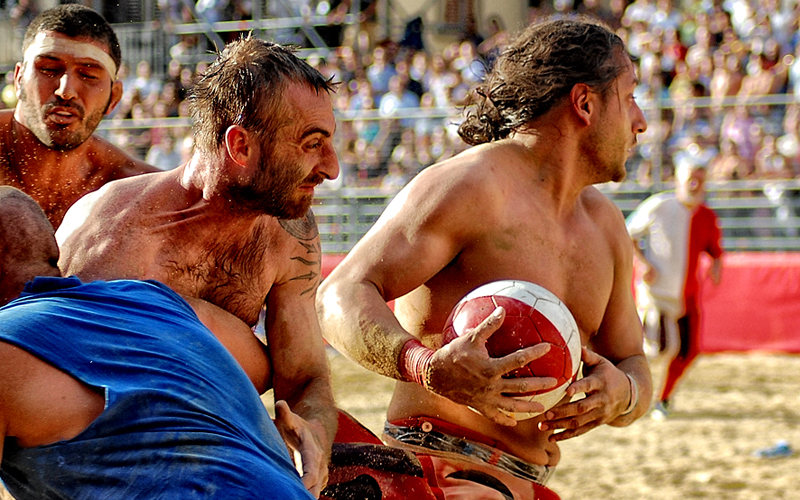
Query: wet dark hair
[[75, 21], [537, 70], [245, 86]]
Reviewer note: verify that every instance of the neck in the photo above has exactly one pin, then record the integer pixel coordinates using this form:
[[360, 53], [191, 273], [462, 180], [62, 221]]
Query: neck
[[563, 166], [690, 200], [202, 172], [203, 185]]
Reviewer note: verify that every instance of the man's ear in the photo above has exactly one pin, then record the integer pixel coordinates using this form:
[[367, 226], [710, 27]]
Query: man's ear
[[237, 144], [584, 102], [116, 96], [18, 68]]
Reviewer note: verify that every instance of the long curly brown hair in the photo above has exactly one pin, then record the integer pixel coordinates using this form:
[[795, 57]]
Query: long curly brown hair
[[536, 71]]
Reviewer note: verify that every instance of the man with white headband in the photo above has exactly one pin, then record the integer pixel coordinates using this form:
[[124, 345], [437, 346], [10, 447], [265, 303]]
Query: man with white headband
[[65, 84]]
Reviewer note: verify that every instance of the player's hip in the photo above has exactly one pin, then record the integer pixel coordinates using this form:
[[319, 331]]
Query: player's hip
[[524, 440], [458, 468]]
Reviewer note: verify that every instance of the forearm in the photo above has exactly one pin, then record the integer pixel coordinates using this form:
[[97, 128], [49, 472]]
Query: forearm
[[716, 271], [641, 391], [359, 324], [313, 401]]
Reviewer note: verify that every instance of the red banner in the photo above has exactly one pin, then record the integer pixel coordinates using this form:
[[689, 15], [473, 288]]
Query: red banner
[[757, 305]]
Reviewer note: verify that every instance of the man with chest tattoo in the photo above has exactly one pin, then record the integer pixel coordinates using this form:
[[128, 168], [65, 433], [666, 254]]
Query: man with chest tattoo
[[233, 226], [65, 84], [106, 388], [555, 116]]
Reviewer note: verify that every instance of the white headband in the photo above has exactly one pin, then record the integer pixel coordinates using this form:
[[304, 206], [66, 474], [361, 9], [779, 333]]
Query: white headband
[[43, 44]]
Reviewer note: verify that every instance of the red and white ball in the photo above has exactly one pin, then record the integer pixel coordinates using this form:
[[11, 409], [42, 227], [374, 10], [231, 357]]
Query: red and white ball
[[533, 315]]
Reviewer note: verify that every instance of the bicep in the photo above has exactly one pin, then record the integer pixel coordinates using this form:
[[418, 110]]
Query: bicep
[[620, 332], [409, 245], [295, 343]]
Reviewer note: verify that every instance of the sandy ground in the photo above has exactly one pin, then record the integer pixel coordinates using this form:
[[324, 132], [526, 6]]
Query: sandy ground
[[727, 407]]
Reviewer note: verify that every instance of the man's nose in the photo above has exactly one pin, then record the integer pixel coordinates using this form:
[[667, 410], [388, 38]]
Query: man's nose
[[641, 122], [329, 166], [66, 87]]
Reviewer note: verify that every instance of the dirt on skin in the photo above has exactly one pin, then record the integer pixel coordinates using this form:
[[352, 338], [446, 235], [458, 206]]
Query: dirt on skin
[[727, 407]]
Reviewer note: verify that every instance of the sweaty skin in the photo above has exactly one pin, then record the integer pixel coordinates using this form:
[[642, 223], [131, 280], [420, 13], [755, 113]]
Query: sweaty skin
[[517, 208], [62, 97], [56, 180], [181, 228]]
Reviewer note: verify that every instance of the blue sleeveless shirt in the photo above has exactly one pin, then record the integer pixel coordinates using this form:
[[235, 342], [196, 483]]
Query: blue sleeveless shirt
[[181, 419]]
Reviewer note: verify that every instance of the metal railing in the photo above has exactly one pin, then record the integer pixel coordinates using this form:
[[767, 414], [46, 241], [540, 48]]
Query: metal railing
[[754, 215], [151, 41], [757, 215], [760, 215]]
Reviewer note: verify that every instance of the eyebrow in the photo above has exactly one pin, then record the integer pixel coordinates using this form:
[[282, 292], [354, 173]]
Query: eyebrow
[[89, 63], [315, 130]]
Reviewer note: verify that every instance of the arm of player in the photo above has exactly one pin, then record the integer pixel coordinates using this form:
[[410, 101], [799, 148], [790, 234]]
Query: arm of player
[[418, 235], [301, 375], [39, 403], [300, 438], [615, 354], [238, 339], [650, 273]]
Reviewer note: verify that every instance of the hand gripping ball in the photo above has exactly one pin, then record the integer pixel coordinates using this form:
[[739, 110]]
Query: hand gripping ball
[[533, 315]]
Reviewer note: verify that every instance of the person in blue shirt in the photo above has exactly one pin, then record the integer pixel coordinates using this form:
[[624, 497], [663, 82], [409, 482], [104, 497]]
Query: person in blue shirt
[[119, 390]]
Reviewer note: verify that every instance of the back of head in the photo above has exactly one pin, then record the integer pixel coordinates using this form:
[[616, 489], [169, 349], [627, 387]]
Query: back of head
[[244, 86], [537, 70], [75, 21], [27, 243]]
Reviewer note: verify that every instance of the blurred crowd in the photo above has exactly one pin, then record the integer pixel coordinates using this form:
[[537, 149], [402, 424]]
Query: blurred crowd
[[718, 80]]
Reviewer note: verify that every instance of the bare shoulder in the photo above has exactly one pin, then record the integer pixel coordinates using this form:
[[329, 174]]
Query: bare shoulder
[[115, 163], [5, 124], [302, 229], [5, 117], [117, 204], [114, 195], [477, 175], [301, 251], [606, 214]]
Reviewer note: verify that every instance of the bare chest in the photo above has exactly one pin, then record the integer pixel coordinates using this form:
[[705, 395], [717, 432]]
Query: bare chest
[[237, 278], [576, 265], [55, 192], [232, 271]]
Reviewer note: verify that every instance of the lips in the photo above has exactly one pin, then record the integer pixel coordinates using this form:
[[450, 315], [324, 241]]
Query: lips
[[312, 181], [63, 115]]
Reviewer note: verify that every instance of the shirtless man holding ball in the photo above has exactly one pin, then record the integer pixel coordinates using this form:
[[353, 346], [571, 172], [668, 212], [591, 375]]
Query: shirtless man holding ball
[[555, 116]]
